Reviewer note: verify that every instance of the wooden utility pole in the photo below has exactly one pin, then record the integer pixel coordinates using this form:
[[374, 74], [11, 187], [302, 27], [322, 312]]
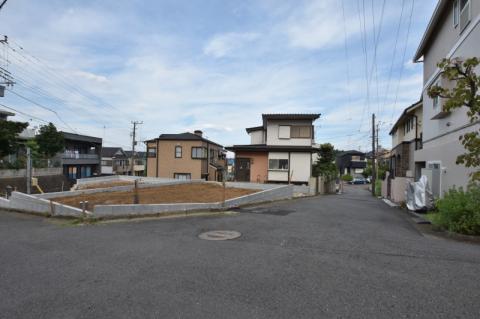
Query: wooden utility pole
[[134, 143], [374, 157]]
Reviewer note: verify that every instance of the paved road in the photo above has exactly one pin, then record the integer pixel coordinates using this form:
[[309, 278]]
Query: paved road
[[344, 256]]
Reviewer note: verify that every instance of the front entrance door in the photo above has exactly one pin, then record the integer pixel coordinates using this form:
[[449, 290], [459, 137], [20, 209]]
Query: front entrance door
[[242, 172]]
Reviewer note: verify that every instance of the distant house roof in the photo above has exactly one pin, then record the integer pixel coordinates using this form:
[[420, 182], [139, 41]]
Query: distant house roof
[[81, 138], [291, 116], [430, 31], [138, 154], [187, 136], [110, 151], [266, 148], [253, 129], [351, 152], [403, 115], [4, 113]]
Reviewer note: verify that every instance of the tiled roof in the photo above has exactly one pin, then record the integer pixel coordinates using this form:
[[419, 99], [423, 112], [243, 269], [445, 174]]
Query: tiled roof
[[187, 136], [267, 148], [291, 116]]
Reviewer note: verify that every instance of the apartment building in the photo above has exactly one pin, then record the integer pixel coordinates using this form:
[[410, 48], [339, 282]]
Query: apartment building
[[185, 156], [453, 32], [280, 150]]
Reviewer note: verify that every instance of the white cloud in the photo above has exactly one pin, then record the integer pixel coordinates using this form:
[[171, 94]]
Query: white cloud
[[227, 43], [319, 25]]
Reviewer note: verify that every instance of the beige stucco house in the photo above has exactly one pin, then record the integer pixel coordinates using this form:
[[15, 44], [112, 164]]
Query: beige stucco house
[[453, 32], [185, 156]]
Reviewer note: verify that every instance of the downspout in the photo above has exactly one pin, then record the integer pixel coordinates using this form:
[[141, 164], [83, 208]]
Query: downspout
[[289, 165]]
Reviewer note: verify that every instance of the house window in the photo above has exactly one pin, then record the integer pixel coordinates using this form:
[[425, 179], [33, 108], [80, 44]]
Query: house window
[[456, 13], [464, 17], [301, 131], [182, 176], [284, 131], [355, 158], [152, 152], [278, 164], [436, 102], [199, 152], [178, 152]]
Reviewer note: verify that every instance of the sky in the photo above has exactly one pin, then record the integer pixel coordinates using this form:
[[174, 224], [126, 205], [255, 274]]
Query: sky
[[92, 67]]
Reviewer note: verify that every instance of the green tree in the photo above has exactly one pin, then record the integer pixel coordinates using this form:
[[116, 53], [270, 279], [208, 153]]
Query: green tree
[[325, 165], [465, 93], [9, 142], [49, 140]]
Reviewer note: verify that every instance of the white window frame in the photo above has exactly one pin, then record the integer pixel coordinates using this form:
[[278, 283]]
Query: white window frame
[[460, 10], [277, 167], [456, 13], [177, 148]]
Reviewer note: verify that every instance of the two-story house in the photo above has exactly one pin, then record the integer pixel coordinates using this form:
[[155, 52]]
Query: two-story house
[[185, 156], [81, 157], [139, 162], [453, 32], [406, 139], [351, 163], [280, 150]]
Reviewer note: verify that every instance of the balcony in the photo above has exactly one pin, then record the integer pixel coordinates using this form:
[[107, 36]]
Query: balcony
[[79, 156]]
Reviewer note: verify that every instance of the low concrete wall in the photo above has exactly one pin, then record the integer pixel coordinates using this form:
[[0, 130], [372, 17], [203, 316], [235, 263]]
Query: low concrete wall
[[398, 188], [281, 192], [116, 211], [12, 173], [31, 204], [124, 188]]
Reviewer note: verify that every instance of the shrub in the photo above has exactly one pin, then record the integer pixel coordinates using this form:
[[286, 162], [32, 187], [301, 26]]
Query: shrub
[[459, 211], [378, 187], [347, 178]]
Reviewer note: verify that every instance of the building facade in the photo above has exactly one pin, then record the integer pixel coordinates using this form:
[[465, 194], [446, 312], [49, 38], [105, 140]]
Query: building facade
[[351, 163], [81, 157], [453, 32], [185, 156], [279, 151], [407, 136]]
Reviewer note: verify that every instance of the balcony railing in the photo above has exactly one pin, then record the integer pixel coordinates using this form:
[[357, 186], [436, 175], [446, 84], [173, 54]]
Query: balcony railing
[[79, 156]]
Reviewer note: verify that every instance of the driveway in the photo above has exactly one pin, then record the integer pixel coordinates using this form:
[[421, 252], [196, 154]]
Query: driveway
[[342, 256]]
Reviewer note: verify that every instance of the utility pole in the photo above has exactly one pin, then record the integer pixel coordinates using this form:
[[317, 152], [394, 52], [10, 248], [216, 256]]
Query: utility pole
[[132, 159], [376, 150], [29, 170], [374, 157]]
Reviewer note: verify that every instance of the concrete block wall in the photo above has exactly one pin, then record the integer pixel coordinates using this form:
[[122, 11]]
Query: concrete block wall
[[31, 204]]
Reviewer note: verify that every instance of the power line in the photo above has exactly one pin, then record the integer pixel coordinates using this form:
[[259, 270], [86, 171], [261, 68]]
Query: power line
[[365, 53], [43, 107], [403, 59]]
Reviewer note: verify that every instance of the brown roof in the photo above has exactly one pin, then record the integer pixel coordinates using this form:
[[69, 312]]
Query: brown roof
[[267, 148], [291, 116], [187, 136]]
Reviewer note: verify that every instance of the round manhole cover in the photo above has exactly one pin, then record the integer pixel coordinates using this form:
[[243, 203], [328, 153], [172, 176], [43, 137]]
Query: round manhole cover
[[220, 235]]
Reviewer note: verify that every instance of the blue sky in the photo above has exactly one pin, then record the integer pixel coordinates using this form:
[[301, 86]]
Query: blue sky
[[214, 65]]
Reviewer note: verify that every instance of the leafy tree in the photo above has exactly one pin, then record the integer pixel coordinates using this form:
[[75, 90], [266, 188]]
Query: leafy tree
[[325, 166], [9, 131], [465, 93], [49, 140]]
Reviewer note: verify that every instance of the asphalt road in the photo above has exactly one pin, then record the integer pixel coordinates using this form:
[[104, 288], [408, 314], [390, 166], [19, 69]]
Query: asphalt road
[[339, 256]]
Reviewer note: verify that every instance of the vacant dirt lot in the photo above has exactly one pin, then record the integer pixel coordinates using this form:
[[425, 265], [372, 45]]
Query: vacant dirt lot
[[185, 193]]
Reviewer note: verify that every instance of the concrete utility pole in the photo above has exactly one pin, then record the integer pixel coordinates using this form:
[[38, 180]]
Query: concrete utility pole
[[374, 157], [29, 170], [132, 159]]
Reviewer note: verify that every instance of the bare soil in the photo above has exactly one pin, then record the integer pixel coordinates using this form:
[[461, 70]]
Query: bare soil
[[105, 184], [184, 193]]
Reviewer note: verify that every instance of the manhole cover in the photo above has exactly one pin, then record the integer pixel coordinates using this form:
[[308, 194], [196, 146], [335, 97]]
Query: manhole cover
[[220, 235]]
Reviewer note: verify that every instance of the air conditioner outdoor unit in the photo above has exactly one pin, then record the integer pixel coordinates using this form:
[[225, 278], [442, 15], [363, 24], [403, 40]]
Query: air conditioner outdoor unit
[[465, 16]]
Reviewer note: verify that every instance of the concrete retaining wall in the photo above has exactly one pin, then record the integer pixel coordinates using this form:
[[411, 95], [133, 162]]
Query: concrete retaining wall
[[116, 211], [12, 173], [124, 188], [31, 204]]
